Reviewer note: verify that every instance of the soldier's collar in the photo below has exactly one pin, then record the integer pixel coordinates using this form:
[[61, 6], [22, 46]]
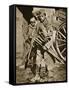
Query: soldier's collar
[[31, 26]]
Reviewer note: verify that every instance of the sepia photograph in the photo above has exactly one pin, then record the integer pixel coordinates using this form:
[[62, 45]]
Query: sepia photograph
[[41, 44]]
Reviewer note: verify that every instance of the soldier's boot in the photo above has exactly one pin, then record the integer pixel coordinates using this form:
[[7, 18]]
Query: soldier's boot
[[37, 76]]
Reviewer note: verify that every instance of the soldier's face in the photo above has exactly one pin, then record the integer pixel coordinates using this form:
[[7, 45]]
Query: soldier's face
[[33, 23], [41, 18]]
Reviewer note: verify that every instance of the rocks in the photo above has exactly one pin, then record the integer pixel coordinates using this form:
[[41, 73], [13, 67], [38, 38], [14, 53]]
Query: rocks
[[21, 30]]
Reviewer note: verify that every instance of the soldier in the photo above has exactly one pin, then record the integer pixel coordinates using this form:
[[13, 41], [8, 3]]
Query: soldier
[[50, 35], [32, 50]]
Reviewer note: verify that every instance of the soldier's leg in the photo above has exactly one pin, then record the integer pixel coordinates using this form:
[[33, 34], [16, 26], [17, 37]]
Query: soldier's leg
[[50, 65], [38, 61]]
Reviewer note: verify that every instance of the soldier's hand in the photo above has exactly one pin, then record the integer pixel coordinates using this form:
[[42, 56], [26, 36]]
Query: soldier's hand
[[45, 48]]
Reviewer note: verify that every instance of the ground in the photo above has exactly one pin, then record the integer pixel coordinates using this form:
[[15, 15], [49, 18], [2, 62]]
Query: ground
[[58, 73]]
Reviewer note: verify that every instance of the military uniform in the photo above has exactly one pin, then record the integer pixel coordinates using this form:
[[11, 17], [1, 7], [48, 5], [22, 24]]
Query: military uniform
[[47, 30]]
